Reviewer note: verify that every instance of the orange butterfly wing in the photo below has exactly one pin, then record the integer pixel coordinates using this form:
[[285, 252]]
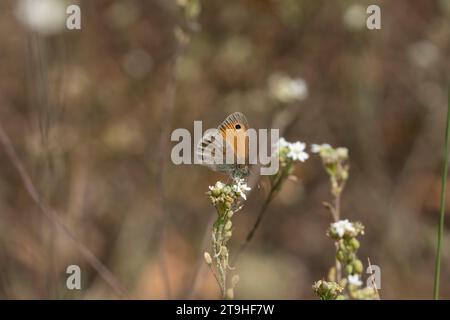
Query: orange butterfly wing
[[234, 131]]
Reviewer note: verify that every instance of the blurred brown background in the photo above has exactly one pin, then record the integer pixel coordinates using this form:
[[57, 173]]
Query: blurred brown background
[[85, 110]]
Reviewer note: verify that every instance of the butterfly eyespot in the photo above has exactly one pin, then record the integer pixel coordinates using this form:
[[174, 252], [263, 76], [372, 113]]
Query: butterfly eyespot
[[238, 126]]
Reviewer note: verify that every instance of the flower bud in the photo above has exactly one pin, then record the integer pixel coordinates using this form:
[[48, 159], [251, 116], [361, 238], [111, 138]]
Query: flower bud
[[349, 269], [340, 255], [358, 266], [228, 225], [224, 251], [207, 257], [354, 243], [230, 214]]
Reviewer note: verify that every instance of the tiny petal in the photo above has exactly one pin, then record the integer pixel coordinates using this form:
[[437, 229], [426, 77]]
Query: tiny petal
[[354, 280]]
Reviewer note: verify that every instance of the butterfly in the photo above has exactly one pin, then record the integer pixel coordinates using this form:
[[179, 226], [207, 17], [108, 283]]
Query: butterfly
[[228, 142]]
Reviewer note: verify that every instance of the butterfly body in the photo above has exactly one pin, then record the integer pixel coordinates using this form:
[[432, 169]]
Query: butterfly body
[[228, 142]]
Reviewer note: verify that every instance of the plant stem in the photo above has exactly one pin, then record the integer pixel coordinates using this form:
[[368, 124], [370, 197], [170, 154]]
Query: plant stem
[[337, 214], [437, 272]]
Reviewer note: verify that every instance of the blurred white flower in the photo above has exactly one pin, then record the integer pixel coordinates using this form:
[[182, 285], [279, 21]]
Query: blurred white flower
[[423, 53], [297, 151], [281, 143], [316, 148], [343, 226], [240, 187], [46, 17], [354, 280], [355, 17], [286, 89]]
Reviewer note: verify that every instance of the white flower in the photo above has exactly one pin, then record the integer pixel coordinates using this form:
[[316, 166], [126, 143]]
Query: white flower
[[343, 226], [286, 89], [316, 148], [45, 17], [281, 143], [218, 186], [240, 187], [296, 151], [342, 153], [354, 280]]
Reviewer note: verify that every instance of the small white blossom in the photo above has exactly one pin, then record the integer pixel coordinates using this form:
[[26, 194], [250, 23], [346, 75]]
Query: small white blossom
[[281, 143], [240, 187], [316, 148], [297, 151], [342, 153], [354, 280], [218, 186], [343, 226]]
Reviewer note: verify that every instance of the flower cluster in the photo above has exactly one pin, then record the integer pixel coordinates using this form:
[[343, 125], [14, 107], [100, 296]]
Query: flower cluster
[[345, 229], [345, 233], [226, 199], [328, 290], [223, 196]]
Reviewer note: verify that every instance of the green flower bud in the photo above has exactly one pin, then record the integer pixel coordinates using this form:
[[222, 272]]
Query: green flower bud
[[349, 269], [354, 243], [358, 266], [230, 214], [340, 256], [228, 225], [228, 234]]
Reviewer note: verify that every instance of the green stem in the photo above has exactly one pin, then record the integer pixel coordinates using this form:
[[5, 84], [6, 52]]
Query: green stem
[[437, 272]]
